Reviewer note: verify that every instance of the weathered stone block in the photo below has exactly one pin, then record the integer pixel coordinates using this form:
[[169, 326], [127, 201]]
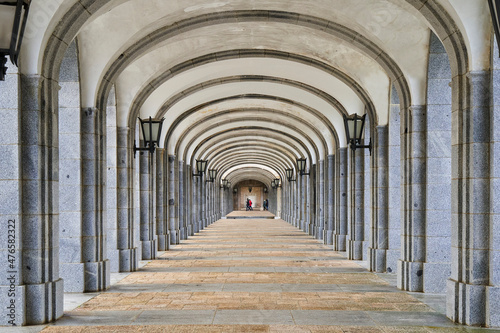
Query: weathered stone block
[[70, 250], [69, 95], [73, 276], [493, 306], [475, 305], [97, 276], [13, 300]]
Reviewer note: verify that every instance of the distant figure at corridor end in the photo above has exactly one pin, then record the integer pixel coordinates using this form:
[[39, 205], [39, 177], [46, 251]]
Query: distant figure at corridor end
[[249, 204]]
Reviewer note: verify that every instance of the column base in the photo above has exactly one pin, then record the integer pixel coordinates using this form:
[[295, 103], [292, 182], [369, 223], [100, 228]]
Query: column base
[[149, 249], [354, 250], [97, 276], [339, 243], [328, 237], [466, 303], [493, 306], [190, 231], [33, 304], [377, 258], [174, 237], [196, 228], [183, 233], [128, 260], [319, 233], [410, 276], [162, 241]]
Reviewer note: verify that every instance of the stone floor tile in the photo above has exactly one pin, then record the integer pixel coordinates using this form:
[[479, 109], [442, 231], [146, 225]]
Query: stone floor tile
[[334, 318], [253, 317]]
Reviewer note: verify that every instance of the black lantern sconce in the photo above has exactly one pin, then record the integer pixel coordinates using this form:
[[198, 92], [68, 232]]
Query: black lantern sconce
[[201, 166], [151, 133], [250, 189], [354, 126], [275, 183], [13, 18], [226, 184], [212, 174], [235, 190], [289, 175], [265, 189], [301, 166]]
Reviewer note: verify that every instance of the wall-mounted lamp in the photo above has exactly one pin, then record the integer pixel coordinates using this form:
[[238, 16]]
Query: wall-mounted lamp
[[301, 166], [226, 184], [151, 133], [250, 189], [212, 174], [265, 189], [13, 18], [354, 126], [201, 166], [289, 175], [235, 190], [275, 183]]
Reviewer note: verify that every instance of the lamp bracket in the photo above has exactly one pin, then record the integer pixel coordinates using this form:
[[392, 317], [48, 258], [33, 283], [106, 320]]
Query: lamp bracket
[[3, 67], [150, 148], [355, 145]]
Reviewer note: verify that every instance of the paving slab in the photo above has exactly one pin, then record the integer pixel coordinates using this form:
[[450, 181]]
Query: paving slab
[[239, 317], [334, 318], [175, 317]]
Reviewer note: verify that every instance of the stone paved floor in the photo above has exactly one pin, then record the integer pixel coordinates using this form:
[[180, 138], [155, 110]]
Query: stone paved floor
[[255, 275]]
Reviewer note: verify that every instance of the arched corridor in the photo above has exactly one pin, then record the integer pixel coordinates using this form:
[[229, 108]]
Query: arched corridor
[[133, 127]]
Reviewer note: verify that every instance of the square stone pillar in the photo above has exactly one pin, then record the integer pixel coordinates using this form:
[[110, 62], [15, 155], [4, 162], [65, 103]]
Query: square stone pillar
[[356, 224], [182, 201], [341, 222], [146, 197], [410, 267], [470, 288], [330, 200], [161, 223], [380, 229], [321, 205], [126, 233], [302, 181], [31, 290]]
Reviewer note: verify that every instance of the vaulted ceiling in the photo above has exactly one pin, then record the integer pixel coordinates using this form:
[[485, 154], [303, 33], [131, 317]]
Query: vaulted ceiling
[[251, 85]]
